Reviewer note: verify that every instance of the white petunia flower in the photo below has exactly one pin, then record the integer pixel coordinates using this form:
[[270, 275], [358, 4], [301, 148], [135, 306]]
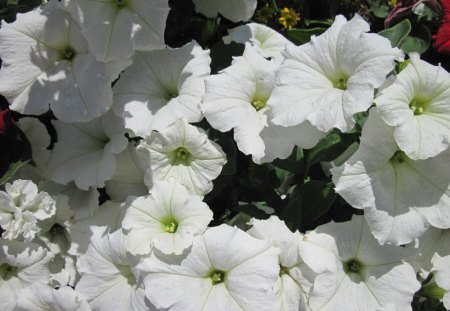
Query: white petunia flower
[[234, 10], [86, 152], [182, 151], [39, 139], [128, 178], [45, 298], [167, 220], [296, 278], [354, 271], [21, 264], [83, 203], [264, 39], [108, 217], [236, 99], [114, 29], [226, 269], [441, 268], [417, 104], [329, 79], [109, 279], [46, 61], [433, 241], [400, 196], [22, 206], [161, 87]]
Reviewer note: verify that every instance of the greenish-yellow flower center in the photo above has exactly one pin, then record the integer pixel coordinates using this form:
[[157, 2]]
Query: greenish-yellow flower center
[[125, 271], [417, 106], [120, 3], [399, 157], [340, 83], [181, 156], [171, 227], [283, 270], [217, 277], [7, 271], [67, 53], [259, 104], [353, 266]]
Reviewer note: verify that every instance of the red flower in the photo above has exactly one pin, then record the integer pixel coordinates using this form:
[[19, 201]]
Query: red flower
[[6, 121], [442, 37]]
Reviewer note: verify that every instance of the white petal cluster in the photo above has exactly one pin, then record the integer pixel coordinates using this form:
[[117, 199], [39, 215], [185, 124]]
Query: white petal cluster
[[224, 268], [268, 42], [236, 99], [125, 25], [329, 79], [441, 267], [46, 60], [354, 270], [167, 220], [161, 87], [184, 152], [86, 152], [22, 206], [234, 10], [401, 196], [417, 105]]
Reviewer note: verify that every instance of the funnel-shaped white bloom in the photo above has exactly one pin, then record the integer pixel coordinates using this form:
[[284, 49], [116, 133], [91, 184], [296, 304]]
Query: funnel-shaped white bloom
[[236, 99], [355, 271], [226, 269], [441, 268], [401, 196], [46, 60], [22, 206], [234, 10], [296, 278], [417, 104], [86, 152], [114, 29], [161, 87], [109, 278], [45, 298], [21, 264], [167, 220], [329, 79], [184, 152], [264, 39]]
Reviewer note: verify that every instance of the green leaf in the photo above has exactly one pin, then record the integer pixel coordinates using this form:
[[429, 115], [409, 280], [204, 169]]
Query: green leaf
[[222, 55], [294, 163], [419, 41], [228, 146], [308, 202], [328, 148], [301, 36], [381, 11], [12, 170], [397, 33], [252, 210]]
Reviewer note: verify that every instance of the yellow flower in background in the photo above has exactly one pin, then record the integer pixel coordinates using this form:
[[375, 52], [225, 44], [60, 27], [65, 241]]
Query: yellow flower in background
[[289, 18], [392, 3]]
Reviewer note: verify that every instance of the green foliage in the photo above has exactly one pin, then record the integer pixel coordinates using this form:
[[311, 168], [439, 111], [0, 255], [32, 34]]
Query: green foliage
[[301, 36], [10, 8], [397, 33], [12, 170], [418, 41], [308, 202]]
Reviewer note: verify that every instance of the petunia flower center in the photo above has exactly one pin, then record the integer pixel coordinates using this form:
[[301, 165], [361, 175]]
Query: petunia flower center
[[283, 270], [399, 157], [68, 53], [259, 104], [181, 156], [125, 271], [417, 106], [353, 266], [120, 3], [171, 227], [170, 94], [217, 277], [7, 271], [340, 83]]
